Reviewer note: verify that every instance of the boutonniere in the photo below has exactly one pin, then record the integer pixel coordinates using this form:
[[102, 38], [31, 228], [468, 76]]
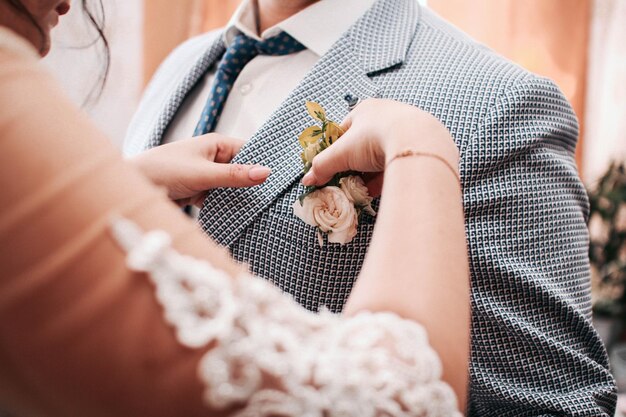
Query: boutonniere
[[334, 208]]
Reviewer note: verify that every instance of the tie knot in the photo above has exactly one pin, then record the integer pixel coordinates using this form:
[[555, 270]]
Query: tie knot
[[281, 44]]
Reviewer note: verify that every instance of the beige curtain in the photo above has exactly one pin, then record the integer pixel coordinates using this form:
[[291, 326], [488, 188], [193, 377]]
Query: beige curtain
[[168, 23], [78, 69], [217, 12], [606, 92]]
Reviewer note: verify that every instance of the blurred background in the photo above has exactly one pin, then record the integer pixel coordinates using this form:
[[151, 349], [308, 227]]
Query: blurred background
[[578, 43]]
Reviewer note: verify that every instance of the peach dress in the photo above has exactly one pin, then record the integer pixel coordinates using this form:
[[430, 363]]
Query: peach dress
[[99, 318]]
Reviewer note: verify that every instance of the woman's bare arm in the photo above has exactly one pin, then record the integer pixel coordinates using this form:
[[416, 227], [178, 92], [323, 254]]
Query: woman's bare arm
[[417, 262]]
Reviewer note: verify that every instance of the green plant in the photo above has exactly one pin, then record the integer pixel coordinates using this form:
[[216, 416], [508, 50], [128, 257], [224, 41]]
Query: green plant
[[607, 250]]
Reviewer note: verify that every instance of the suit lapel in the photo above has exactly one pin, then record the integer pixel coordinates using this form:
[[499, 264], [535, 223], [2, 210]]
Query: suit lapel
[[345, 69], [213, 53]]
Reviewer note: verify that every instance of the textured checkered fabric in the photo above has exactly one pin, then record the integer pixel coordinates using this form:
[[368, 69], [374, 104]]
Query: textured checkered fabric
[[534, 351], [239, 53]]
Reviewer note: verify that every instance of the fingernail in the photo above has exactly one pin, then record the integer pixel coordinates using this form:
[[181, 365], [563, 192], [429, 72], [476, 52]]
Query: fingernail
[[259, 173], [308, 179]]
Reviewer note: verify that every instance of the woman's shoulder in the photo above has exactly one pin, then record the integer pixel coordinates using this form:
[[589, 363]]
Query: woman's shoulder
[[12, 43]]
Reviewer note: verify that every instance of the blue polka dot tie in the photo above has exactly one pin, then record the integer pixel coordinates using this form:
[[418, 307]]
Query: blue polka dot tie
[[242, 50]]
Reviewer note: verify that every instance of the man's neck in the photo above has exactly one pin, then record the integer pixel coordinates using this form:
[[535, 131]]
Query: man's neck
[[272, 12]]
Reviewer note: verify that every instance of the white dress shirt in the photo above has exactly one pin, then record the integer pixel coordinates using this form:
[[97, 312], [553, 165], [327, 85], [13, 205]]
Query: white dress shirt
[[266, 81]]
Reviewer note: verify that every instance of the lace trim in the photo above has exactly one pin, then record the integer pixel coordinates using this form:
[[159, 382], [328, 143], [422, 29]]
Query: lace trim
[[269, 356]]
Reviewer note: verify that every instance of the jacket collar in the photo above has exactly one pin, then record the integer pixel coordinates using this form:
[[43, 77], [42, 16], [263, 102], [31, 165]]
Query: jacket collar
[[382, 37], [183, 87]]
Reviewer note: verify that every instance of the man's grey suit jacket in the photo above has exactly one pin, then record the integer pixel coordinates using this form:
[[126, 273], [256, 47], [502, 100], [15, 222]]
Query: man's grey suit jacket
[[534, 351]]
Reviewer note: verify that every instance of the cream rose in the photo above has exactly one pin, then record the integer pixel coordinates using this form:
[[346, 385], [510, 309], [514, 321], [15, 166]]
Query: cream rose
[[331, 211], [354, 187]]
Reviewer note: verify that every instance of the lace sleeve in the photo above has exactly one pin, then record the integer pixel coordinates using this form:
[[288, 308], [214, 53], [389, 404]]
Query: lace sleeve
[[269, 356]]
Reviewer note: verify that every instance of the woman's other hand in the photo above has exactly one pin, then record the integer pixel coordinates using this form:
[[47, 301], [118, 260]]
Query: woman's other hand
[[376, 131], [189, 168]]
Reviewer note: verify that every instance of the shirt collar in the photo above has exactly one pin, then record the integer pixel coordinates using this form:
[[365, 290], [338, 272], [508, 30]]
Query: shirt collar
[[305, 25]]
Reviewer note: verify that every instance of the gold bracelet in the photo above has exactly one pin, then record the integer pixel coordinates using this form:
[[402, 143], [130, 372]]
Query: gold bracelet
[[410, 152]]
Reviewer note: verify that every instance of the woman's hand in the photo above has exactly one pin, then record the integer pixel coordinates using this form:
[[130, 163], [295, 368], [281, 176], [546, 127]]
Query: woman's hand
[[189, 167], [417, 256], [376, 131]]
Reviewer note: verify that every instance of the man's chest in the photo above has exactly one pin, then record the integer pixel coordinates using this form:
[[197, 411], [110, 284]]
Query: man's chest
[[260, 88]]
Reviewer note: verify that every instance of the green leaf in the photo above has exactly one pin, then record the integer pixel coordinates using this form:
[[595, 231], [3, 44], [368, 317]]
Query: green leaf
[[333, 132], [316, 111], [307, 191], [309, 135]]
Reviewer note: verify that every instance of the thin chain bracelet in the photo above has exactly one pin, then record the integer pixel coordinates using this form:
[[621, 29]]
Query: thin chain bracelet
[[410, 152]]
